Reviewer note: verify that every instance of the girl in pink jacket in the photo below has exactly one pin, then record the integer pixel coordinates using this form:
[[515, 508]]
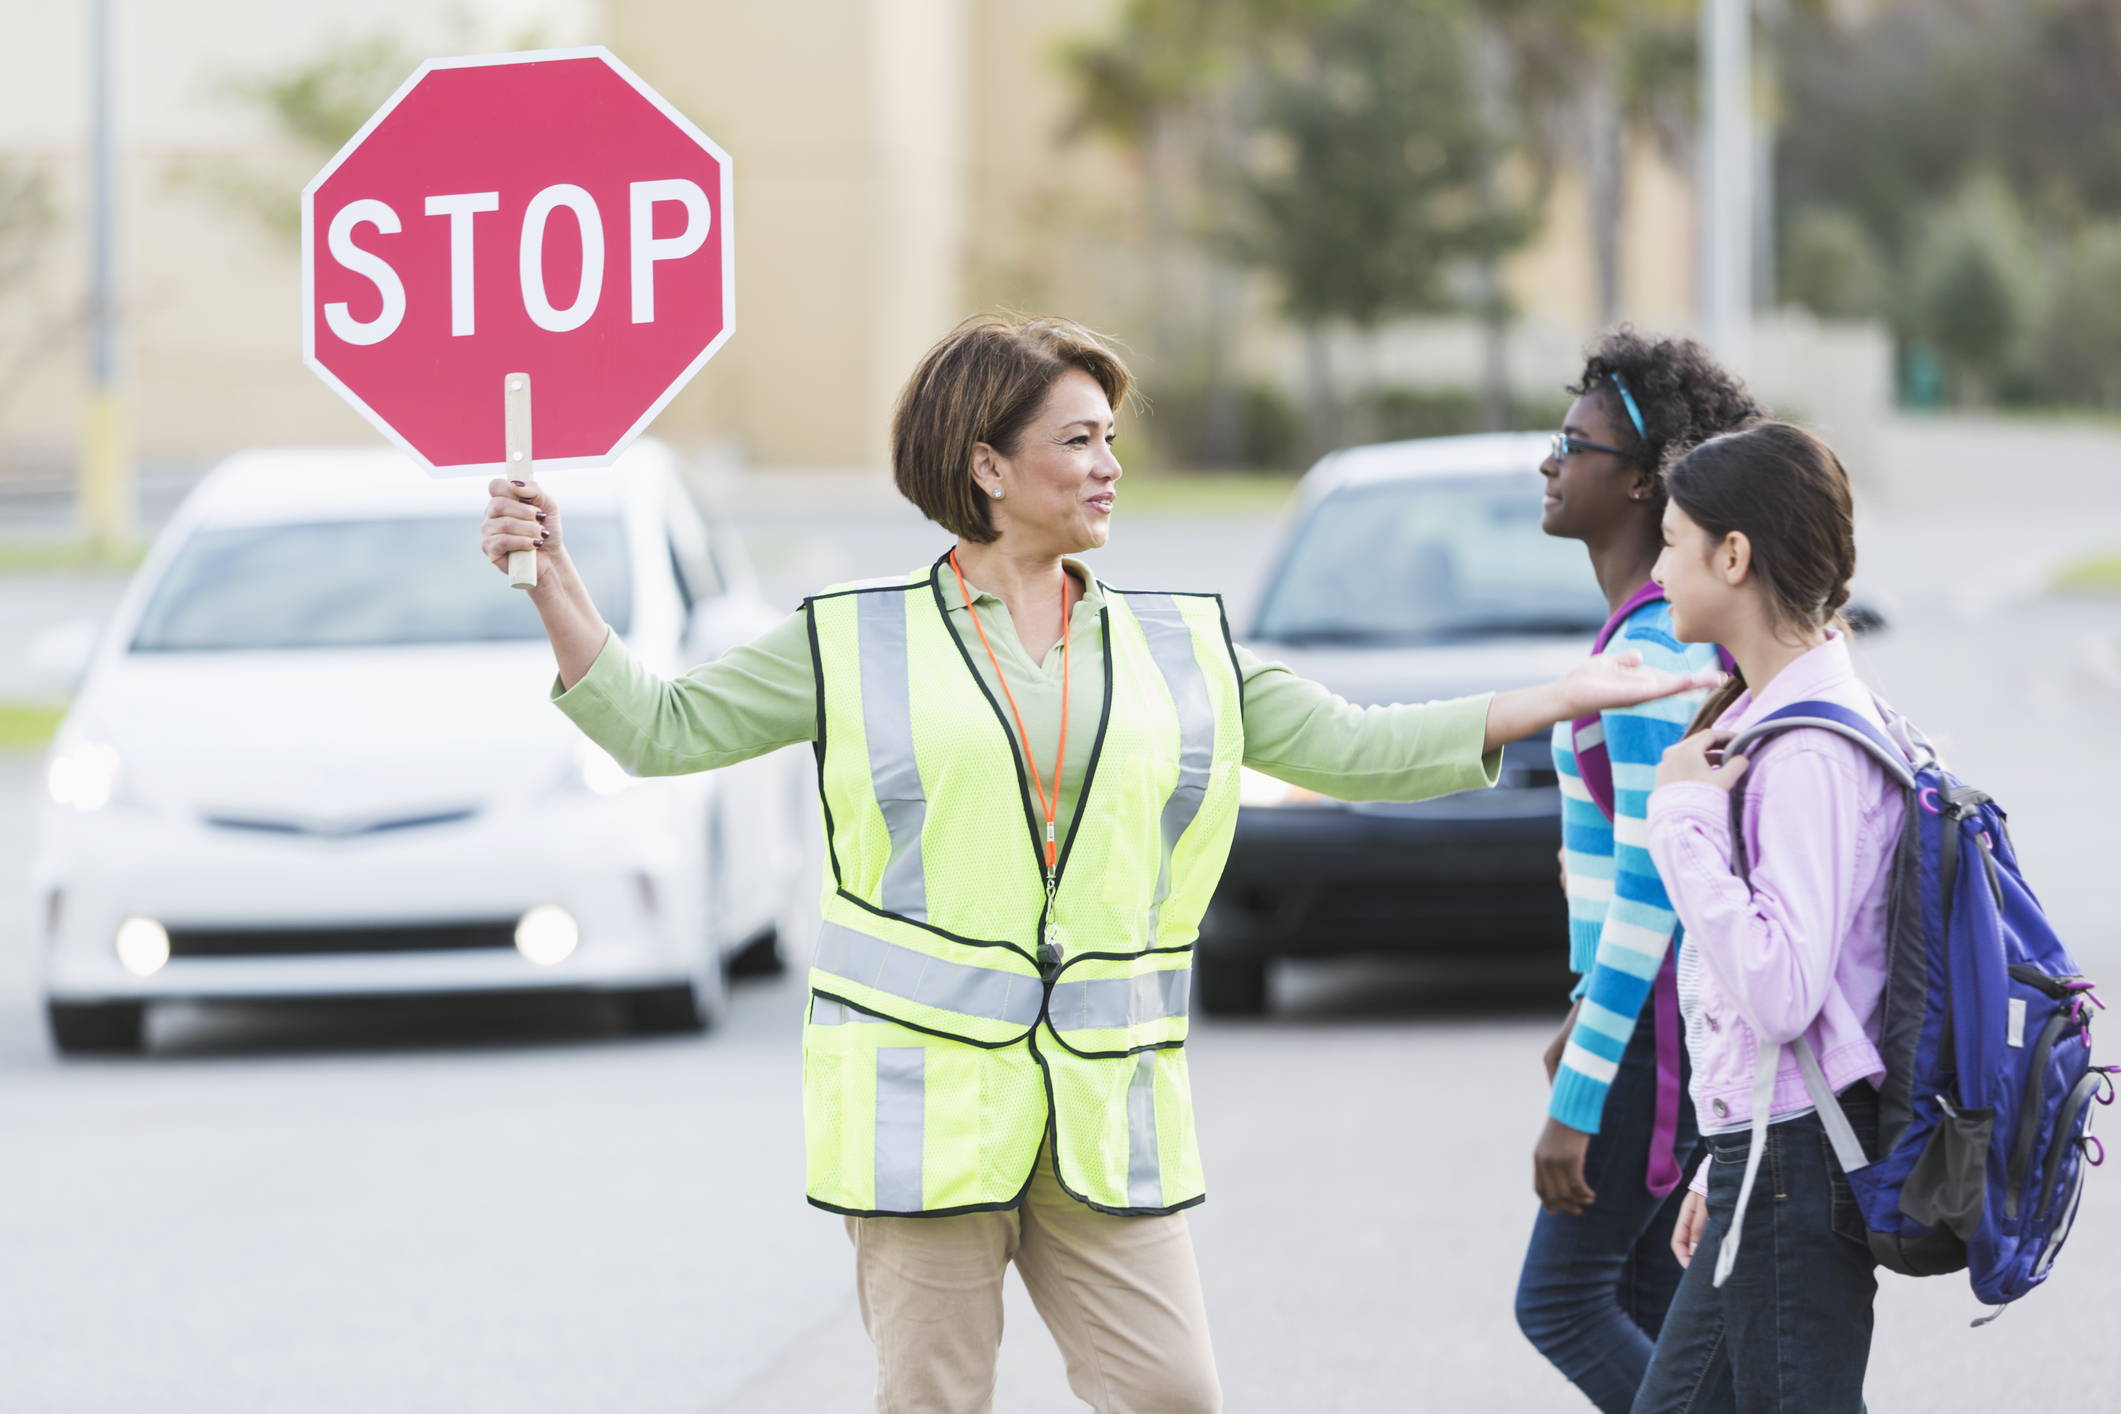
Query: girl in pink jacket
[[1759, 548]]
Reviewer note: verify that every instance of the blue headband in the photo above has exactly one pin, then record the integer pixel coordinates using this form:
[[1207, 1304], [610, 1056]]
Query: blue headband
[[1634, 413]]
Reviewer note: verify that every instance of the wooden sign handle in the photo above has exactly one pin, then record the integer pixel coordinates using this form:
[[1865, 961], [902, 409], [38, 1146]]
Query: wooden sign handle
[[515, 403]]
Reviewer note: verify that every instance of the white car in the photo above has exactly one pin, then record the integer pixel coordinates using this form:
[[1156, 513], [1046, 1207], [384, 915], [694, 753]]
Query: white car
[[312, 756]]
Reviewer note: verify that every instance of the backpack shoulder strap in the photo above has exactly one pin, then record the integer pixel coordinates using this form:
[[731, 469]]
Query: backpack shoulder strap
[[1832, 717], [1594, 764], [1824, 716]]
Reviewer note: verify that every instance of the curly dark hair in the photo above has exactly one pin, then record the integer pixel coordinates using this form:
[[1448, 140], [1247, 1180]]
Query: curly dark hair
[[1685, 396]]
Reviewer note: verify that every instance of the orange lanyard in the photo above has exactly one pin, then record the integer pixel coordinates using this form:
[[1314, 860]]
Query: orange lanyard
[[1049, 804]]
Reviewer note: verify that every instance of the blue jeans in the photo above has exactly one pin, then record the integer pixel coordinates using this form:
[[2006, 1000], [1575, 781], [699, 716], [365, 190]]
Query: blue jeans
[[1594, 1288], [1790, 1332]]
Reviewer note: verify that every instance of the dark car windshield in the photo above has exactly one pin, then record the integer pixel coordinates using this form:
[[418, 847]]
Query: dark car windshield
[[361, 584], [1432, 560]]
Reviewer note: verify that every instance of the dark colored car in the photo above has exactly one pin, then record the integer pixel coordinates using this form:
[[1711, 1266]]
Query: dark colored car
[[1414, 571]]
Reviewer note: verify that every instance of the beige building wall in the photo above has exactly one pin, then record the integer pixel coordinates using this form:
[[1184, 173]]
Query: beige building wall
[[847, 123], [211, 337], [1555, 278], [898, 164]]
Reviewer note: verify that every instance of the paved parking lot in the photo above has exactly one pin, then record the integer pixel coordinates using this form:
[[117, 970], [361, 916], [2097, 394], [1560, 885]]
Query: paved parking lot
[[519, 1208]]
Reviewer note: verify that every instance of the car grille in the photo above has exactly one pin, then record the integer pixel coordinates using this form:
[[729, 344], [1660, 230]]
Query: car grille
[[1528, 764], [1528, 777], [338, 829], [309, 942]]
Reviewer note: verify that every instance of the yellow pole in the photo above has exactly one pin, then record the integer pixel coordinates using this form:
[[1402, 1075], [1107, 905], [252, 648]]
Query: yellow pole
[[106, 476], [105, 480]]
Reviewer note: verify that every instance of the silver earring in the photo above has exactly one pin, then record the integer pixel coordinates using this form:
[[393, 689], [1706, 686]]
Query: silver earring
[[996, 493]]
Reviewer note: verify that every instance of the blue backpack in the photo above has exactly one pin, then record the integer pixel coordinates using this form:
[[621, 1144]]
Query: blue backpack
[[1985, 1111]]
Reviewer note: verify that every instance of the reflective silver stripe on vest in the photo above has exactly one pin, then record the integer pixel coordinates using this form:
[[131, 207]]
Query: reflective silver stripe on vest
[[901, 1121], [1171, 645], [887, 719], [915, 977], [825, 1012], [1119, 1001], [1145, 1169]]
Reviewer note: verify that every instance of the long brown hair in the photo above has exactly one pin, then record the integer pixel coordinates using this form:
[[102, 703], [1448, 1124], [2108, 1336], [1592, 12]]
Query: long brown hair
[[1788, 494]]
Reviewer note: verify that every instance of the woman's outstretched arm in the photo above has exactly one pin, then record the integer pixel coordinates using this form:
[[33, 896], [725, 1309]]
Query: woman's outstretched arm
[[1301, 732], [1602, 684]]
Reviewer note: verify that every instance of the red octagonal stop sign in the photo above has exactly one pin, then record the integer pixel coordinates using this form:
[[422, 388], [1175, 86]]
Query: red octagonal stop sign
[[543, 213]]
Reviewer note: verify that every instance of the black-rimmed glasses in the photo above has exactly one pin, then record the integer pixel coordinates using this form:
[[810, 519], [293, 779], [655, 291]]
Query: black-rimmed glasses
[[1561, 444]]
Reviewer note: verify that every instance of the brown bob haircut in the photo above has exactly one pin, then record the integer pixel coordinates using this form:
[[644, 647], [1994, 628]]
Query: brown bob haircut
[[984, 382]]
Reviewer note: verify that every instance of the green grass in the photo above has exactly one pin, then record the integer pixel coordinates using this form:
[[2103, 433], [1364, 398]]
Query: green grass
[[2108, 418], [28, 726], [2100, 574], [44, 556], [1175, 493]]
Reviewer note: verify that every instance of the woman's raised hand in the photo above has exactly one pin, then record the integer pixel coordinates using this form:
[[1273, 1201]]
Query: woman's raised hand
[[1620, 680], [521, 516]]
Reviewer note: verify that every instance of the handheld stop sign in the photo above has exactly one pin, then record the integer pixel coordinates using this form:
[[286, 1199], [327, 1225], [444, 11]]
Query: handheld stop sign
[[514, 232]]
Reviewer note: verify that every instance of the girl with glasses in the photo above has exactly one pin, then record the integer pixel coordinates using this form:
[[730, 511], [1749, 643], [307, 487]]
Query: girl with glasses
[[1598, 1273]]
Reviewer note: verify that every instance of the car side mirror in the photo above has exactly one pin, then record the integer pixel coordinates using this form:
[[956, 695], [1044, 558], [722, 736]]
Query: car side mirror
[[1864, 618], [717, 625]]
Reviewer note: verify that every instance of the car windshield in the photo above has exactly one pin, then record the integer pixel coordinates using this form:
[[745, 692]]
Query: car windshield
[[361, 584], [1431, 560]]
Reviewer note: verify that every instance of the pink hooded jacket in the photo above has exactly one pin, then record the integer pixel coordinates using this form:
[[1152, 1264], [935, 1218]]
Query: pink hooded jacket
[[1802, 949]]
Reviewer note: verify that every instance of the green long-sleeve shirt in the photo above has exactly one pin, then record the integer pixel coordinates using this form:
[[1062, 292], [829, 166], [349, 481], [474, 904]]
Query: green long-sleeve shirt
[[762, 695]]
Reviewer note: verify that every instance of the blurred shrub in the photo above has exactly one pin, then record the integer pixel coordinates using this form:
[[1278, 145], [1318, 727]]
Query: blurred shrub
[[1831, 266], [2080, 348], [1978, 145], [1265, 427], [1976, 292], [1396, 414], [1274, 434]]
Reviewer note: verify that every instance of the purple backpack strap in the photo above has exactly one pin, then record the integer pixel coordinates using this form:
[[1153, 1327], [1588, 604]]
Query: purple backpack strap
[[1823, 716], [1587, 734], [1594, 763]]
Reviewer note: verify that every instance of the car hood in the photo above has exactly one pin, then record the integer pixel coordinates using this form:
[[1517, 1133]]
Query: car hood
[[331, 734], [1372, 676]]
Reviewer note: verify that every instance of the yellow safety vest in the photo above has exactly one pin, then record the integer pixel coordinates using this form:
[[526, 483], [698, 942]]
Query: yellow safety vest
[[958, 1011]]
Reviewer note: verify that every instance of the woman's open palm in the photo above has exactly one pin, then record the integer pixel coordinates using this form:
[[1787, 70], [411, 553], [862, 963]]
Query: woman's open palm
[[1620, 680]]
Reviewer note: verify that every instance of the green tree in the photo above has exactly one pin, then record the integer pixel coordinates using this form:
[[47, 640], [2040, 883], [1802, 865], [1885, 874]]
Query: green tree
[[1582, 75], [2011, 107], [1831, 265], [1371, 191], [311, 108], [1170, 82], [1976, 289], [1251, 118], [2080, 347]]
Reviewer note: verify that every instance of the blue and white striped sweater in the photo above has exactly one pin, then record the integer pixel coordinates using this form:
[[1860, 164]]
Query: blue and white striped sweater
[[1620, 919]]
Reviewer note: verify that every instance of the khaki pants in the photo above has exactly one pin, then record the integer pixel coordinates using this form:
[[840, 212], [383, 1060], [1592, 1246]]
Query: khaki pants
[[1121, 1296]]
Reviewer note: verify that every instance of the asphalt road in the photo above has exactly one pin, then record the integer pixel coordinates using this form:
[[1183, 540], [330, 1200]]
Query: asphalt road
[[518, 1208]]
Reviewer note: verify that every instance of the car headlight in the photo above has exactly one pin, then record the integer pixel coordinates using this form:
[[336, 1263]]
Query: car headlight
[[599, 773], [1259, 788], [547, 935], [83, 774]]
